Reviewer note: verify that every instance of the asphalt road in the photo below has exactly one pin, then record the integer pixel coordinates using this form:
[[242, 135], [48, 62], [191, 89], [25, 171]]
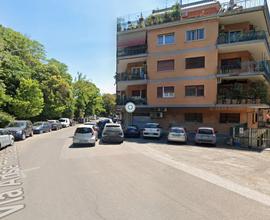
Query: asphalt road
[[117, 182]]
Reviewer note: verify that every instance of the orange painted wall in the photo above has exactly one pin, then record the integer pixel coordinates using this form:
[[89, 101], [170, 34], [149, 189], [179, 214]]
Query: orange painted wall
[[179, 51], [137, 87], [210, 118], [245, 26], [211, 33], [210, 90]]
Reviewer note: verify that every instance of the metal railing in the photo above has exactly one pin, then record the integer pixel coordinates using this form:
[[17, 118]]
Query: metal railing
[[242, 4], [227, 38], [248, 66], [165, 15], [135, 100], [130, 76], [131, 51]]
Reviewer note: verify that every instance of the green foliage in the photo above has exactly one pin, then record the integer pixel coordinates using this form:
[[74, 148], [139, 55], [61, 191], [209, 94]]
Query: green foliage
[[109, 103], [5, 118], [28, 101], [87, 95], [32, 86]]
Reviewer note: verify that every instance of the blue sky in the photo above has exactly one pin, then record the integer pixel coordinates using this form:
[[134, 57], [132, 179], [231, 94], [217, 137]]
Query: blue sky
[[79, 33]]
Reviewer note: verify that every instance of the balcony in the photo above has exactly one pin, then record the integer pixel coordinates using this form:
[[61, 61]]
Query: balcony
[[130, 76], [243, 93], [245, 70], [132, 51], [135, 100], [227, 38]]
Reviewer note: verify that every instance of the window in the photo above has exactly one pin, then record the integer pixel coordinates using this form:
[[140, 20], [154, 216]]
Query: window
[[165, 92], [197, 34], [194, 117], [194, 90], [195, 62], [164, 39], [229, 118], [165, 65]]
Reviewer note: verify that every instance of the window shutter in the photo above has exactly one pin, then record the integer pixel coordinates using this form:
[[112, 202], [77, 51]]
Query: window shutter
[[165, 65]]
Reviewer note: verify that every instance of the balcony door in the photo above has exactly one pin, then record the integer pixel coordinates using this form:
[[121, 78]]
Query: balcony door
[[138, 71]]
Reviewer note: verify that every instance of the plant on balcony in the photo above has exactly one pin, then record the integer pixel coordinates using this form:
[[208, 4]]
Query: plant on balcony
[[258, 91], [176, 12]]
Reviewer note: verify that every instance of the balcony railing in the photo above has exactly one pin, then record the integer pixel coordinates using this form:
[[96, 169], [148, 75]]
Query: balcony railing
[[177, 13], [246, 67], [241, 4], [131, 51], [135, 100], [231, 101], [130, 76], [227, 38]]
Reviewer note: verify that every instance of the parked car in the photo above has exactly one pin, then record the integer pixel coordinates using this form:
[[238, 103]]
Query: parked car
[[6, 138], [65, 122], [132, 131], [206, 135], [177, 134], [41, 127], [101, 124], [112, 133], [85, 134], [20, 129], [55, 124], [152, 130], [94, 125]]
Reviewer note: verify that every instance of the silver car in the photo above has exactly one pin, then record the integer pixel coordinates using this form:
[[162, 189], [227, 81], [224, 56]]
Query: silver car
[[6, 138], [206, 135], [177, 134]]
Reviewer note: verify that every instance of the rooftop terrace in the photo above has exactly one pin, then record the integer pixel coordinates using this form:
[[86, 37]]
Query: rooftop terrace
[[179, 12]]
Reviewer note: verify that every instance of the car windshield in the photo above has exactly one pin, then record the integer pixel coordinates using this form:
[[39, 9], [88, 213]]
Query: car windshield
[[151, 125], [38, 123], [205, 131], [177, 130], [83, 130], [17, 124], [62, 120]]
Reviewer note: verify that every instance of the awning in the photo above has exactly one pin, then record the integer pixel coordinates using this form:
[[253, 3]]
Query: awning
[[131, 39]]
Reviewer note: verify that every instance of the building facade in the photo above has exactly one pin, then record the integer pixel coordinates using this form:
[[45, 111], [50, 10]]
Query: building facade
[[200, 64]]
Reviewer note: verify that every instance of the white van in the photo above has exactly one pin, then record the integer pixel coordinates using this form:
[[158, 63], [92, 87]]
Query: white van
[[65, 122]]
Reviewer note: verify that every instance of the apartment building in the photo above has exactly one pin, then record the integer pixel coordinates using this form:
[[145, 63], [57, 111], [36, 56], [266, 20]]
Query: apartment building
[[199, 64]]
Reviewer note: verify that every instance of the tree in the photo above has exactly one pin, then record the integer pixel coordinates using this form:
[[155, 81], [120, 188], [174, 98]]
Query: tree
[[28, 101], [87, 96], [109, 103]]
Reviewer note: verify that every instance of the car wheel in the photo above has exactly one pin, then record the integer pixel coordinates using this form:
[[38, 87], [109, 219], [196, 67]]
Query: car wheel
[[93, 145], [23, 136]]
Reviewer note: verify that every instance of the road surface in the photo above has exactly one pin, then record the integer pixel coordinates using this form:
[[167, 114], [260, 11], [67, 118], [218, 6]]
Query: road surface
[[57, 181]]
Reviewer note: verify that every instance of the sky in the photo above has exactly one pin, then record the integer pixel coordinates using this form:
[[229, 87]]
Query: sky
[[79, 33]]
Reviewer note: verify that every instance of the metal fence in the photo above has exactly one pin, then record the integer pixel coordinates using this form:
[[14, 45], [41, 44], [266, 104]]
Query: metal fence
[[253, 138]]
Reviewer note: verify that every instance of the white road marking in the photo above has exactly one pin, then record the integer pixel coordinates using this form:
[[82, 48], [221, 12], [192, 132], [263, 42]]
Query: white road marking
[[205, 175]]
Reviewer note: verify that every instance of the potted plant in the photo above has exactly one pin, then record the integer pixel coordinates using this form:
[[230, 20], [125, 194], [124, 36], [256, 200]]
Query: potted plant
[[176, 12]]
